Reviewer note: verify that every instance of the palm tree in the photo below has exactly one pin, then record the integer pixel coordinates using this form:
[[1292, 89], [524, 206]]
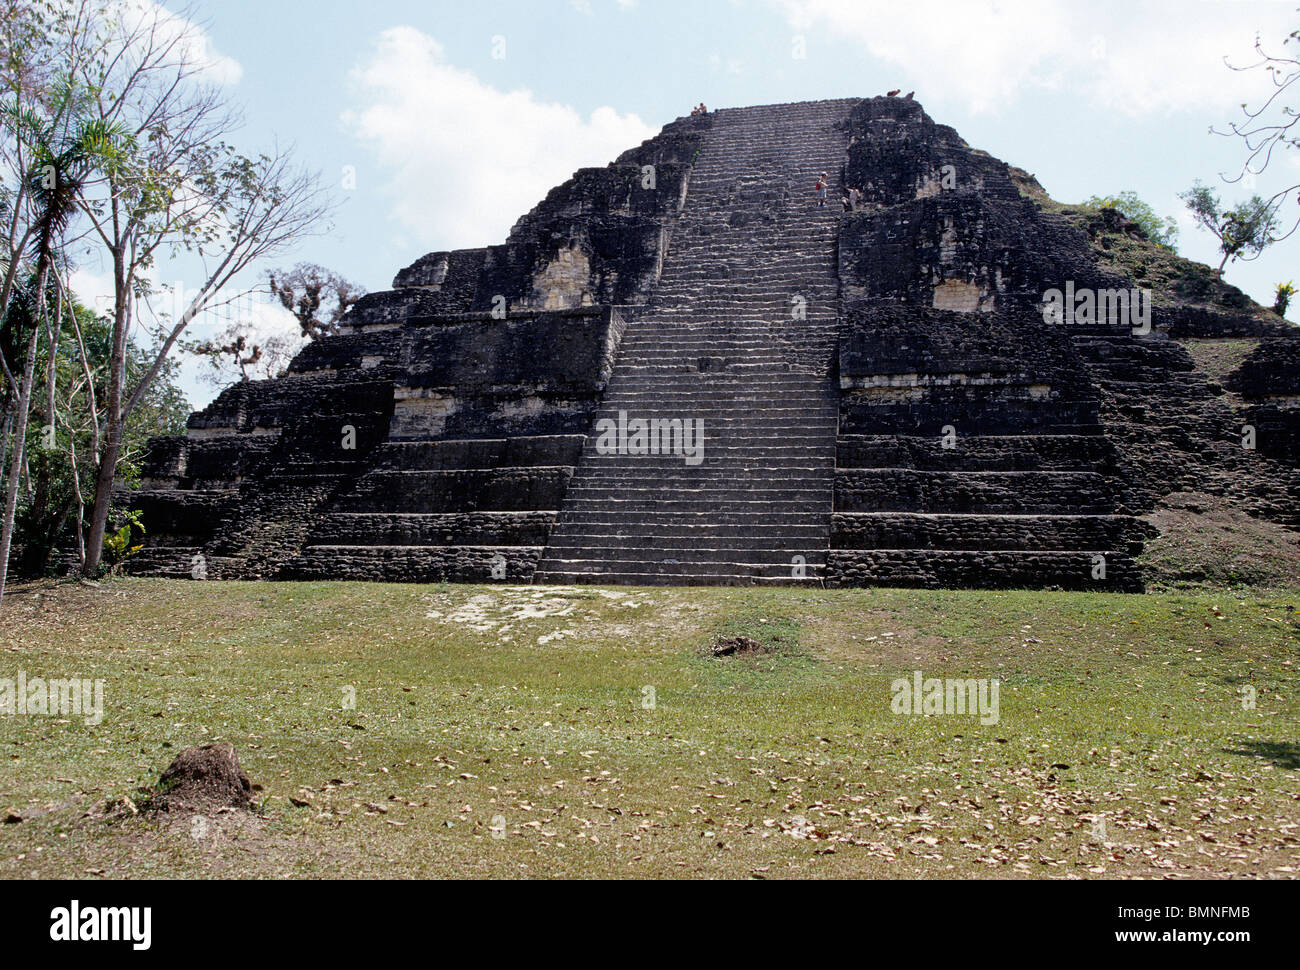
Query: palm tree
[[67, 146]]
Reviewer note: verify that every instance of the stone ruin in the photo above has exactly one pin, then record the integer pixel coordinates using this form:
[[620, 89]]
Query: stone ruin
[[885, 396]]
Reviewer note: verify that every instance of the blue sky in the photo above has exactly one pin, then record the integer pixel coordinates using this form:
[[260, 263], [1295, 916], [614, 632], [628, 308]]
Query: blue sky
[[450, 143]]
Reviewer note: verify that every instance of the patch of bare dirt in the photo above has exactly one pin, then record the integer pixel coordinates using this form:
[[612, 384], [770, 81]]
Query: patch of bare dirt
[[874, 636], [1219, 359], [1206, 540]]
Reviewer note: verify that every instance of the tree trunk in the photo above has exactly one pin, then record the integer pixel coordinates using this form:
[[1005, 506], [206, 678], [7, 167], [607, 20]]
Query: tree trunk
[[105, 475], [19, 436], [80, 501], [110, 450], [8, 426], [51, 374]]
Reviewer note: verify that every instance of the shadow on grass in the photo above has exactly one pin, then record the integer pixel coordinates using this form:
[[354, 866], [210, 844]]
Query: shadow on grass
[[1284, 754]]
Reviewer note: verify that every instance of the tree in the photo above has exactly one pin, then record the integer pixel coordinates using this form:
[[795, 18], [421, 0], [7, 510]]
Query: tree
[[1270, 126], [1243, 232], [231, 349], [26, 53], [1282, 299], [180, 188], [53, 509], [242, 352], [316, 296], [65, 146], [184, 189], [1163, 232]]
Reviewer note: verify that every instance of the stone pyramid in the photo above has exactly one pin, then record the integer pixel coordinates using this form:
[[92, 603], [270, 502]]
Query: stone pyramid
[[681, 369]]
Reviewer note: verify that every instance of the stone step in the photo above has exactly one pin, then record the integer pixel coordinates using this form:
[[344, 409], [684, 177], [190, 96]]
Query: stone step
[[935, 569], [635, 571], [915, 530], [722, 381], [756, 324], [734, 463], [756, 335], [761, 290], [686, 491], [993, 493], [771, 365], [721, 506], [728, 427], [806, 363], [674, 348], [721, 341], [810, 402], [412, 563], [170, 561], [728, 411], [717, 535], [728, 415], [490, 528], [976, 452], [603, 473], [558, 577], [685, 559], [737, 336], [794, 388], [682, 546], [766, 521]]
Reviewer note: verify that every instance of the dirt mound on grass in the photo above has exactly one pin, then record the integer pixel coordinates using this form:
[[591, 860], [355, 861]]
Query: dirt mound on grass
[[205, 778], [735, 647]]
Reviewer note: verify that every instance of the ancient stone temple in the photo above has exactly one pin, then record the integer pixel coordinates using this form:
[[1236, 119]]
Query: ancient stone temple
[[681, 369]]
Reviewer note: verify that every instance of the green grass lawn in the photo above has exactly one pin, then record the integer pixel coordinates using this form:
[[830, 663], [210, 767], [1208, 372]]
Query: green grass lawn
[[583, 731]]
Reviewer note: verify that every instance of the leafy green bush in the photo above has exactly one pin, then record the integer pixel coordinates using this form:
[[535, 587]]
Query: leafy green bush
[[117, 544], [1283, 299], [1163, 232]]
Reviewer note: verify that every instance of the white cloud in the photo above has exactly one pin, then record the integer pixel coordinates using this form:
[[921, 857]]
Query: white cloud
[[93, 289], [584, 6], [196, 45], [462, 159], [1133, 58]]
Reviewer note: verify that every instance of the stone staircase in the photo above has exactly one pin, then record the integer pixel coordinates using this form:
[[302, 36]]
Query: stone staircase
[[741, 334], [1021, 510], [978, 475]]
